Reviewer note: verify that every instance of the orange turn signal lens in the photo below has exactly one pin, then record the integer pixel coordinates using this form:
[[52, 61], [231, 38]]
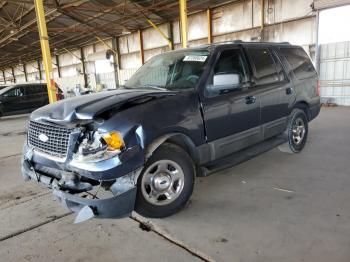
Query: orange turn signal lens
[[114, 140]]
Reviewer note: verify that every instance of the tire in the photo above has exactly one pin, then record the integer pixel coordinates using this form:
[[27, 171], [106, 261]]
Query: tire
[[166, 182], [296, 137]]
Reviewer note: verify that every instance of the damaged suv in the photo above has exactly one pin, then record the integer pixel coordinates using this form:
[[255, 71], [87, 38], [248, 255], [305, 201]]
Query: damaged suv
[[183, 114]]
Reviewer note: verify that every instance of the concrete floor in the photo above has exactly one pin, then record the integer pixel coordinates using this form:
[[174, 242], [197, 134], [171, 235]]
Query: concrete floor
[[276, 207]]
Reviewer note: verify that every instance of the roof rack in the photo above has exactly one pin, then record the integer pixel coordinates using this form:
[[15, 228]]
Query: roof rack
[[239, 41]]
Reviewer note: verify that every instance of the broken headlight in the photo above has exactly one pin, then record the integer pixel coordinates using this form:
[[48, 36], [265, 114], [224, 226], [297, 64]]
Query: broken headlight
[[96, 146]]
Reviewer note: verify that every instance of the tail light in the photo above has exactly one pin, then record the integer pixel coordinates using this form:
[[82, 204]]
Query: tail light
[[318, 88]]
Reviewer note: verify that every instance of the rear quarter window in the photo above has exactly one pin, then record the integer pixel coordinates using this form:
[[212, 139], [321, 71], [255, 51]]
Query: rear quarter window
[[33, 90], [299, 62]]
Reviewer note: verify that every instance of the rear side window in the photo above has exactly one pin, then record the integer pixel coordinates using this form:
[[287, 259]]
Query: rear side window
[[43, 88], [265, 67], [34, 89], [299, 62]]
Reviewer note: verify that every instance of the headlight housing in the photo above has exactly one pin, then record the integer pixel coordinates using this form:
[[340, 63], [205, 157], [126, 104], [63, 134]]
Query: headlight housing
[[114, 140], [98, 146]]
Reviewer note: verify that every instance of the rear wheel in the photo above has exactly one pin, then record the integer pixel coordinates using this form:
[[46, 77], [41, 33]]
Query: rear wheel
[[166, 182], [296, 132]]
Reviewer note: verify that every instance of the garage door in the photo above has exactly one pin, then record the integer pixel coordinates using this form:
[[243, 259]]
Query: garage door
[[321, 4], [335, 73]]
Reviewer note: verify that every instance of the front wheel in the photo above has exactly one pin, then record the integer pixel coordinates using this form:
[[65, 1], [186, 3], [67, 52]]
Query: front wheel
[[166, 182], [296, 132]]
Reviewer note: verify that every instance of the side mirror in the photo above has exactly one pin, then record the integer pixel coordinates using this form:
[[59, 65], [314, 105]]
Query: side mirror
[[224, 83]]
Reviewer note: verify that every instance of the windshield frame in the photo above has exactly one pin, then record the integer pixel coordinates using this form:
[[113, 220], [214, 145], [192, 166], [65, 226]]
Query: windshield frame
[[180, 51]]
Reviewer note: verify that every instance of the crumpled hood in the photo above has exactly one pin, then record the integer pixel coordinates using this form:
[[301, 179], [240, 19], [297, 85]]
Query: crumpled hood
[[86, 107]]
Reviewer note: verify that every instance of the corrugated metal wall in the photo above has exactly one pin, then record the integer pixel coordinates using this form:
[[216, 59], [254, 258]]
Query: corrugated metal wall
[[285, 20], [322, 4], [335, 73]]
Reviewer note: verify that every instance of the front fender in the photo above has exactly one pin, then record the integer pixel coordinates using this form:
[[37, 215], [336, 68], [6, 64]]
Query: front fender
[[179, 139]]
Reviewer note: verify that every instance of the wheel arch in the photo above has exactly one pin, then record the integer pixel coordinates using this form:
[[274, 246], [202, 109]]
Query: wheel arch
[[178, 139], [303, 105]]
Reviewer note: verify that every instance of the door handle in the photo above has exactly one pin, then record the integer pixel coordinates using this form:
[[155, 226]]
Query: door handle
[[250, 100], [289, 90]]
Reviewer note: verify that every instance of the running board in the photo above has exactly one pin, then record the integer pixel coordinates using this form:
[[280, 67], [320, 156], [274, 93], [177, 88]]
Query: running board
[[241, 156]]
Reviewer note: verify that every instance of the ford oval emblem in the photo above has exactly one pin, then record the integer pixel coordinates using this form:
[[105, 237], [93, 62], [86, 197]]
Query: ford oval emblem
[[43, 138]]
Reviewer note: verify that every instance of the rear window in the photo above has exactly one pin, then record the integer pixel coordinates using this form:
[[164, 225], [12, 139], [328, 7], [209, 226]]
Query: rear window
[[299, 62], [265, 67]]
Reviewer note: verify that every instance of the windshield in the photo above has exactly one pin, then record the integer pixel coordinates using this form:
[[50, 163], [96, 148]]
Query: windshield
[[173, 71]]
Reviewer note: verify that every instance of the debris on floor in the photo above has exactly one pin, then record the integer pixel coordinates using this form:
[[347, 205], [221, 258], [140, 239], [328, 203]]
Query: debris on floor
[[283, 190]]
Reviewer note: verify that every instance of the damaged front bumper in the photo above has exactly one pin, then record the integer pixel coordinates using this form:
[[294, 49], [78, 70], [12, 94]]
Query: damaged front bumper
[[84, 189]]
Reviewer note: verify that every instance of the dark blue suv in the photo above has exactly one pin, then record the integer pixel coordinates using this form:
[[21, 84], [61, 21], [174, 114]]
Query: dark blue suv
[[183, 114]]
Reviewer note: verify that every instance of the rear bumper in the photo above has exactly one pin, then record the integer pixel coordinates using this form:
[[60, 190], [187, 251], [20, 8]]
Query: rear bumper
[[314, 111]]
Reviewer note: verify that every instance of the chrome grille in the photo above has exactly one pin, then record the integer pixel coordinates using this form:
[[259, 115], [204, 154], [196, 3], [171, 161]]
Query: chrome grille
[[58, 137]]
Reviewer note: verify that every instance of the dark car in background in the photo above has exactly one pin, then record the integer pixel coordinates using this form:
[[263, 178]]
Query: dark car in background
[[183, 114], [24, 98]]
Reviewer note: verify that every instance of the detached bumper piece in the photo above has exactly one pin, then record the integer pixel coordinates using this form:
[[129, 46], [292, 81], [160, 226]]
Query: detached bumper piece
[[114, 207], [118, 206]]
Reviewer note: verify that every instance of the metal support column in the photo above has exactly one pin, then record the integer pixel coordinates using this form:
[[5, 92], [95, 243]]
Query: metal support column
[[262, 19], [39, 70], [82, 59], [25, 72], [183, 22], [13, 75], [116, 60], [58, 66], [171, 35], [142, 54], [210, 27], [4, 76], [116, 56], [45, 49], [318, 47]]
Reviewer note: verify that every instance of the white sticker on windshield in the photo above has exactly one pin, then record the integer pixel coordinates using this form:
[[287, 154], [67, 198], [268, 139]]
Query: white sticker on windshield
[[195, 58]]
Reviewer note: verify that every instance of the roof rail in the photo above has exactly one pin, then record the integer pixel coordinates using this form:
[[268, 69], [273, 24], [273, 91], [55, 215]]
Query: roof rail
[[238, 41]]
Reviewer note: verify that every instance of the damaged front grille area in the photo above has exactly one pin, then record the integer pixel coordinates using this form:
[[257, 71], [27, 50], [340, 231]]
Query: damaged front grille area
[[50, 139]]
